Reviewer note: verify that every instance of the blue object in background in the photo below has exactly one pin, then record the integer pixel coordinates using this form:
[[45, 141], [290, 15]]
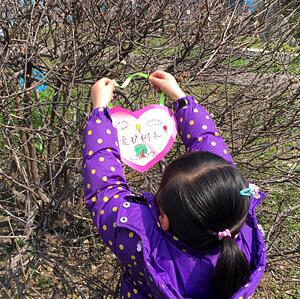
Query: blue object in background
[[37, 76], [251, 4]]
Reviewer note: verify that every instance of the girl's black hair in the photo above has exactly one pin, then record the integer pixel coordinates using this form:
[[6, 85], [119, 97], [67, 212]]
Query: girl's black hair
[[200, 195]]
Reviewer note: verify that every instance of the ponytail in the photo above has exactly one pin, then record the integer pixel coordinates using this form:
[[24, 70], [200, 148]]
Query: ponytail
[[200, 194], [232, 270]]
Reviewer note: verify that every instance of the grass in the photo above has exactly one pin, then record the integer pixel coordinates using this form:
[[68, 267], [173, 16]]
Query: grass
[[40, 279], [292, 68], [256, 42]]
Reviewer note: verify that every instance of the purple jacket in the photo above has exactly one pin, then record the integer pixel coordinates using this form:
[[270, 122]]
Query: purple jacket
[[156, 263]]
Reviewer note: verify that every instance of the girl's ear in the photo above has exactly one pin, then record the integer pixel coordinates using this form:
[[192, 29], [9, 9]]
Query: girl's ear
[[164, 221]]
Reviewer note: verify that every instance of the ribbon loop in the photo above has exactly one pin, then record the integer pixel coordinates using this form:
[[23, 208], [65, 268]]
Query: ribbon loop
[[143, 75], [130, 77]]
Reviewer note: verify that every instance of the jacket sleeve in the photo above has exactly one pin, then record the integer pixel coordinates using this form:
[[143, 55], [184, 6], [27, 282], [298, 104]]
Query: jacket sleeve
[[198, 130], [105, 186]]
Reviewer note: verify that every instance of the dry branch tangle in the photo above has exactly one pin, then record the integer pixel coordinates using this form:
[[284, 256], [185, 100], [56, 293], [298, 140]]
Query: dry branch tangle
[[47, 243]]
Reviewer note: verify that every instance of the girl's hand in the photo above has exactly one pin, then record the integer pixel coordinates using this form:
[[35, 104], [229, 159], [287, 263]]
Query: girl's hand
[[102, 92], [166, 83]]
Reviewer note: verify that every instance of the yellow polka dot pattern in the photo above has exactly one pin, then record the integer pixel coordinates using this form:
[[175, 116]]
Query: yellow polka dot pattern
[[191, 126]]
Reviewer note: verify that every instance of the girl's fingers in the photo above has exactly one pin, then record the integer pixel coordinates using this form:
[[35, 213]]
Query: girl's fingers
[[108, 81], [154, 80], [104, 81], [159, 74], [156, 88]]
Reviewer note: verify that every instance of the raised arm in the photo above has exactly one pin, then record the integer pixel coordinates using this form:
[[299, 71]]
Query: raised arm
[[198, 130], [105, 186]]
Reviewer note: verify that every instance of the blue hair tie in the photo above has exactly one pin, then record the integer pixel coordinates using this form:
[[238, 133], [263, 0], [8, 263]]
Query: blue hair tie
[[252, 190]]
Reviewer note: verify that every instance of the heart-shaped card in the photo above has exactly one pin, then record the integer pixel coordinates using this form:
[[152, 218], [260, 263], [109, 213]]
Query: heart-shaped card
[[145, 136]]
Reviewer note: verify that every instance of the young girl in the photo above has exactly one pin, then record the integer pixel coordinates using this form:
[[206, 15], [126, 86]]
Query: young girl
[[198, 237]]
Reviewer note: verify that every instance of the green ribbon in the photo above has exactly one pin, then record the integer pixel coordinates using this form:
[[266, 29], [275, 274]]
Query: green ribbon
[[142, 75]]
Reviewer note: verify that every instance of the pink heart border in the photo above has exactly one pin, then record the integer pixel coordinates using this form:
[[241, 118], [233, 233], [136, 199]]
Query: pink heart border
[[167, 148]]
